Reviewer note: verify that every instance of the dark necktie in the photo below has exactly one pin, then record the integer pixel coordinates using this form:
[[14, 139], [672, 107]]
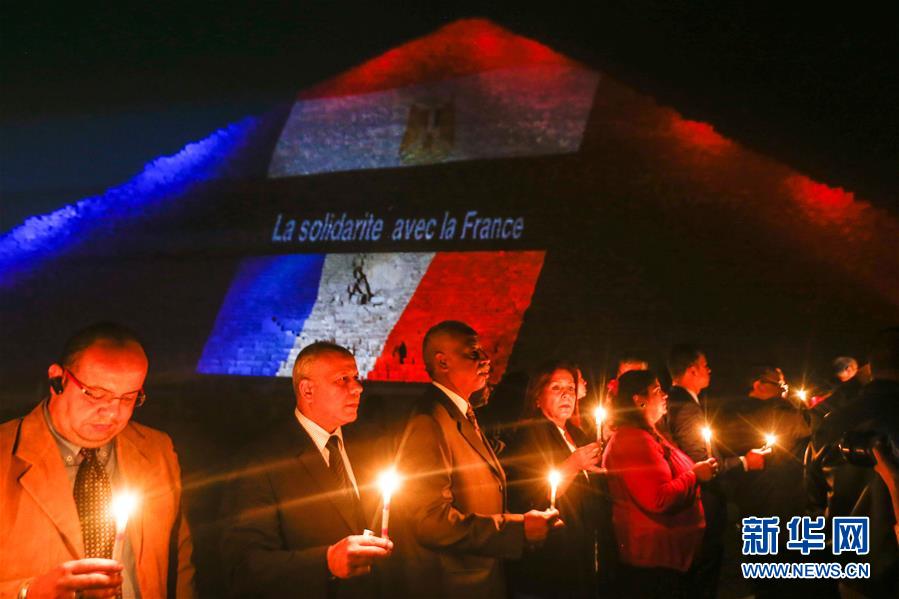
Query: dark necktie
[[338, 470], [337, 467], [473, 419], [93, 498]]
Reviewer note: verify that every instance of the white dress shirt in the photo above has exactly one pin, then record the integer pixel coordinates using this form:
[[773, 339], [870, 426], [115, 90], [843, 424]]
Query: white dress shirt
[[454, 397]]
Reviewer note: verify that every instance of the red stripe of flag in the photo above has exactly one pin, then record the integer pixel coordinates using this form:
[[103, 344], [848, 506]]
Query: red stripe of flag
[[488, 290]]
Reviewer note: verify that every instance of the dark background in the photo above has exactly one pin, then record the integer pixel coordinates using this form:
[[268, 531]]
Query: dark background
[[92, 93]]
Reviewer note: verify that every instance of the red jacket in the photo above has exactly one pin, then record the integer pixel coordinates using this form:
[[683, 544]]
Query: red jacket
[[656, 512]]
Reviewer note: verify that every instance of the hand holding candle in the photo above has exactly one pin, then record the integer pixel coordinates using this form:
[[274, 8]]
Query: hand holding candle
[[554, 479], [388, 482], [123, 505], [707, 437]]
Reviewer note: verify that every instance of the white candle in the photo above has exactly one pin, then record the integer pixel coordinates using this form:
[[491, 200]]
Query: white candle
[[554, 480], [123, 505], [599, 415], [388, 481], [707, 437]]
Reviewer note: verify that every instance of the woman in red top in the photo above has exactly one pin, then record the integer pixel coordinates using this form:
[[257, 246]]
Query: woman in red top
[[656, 513]]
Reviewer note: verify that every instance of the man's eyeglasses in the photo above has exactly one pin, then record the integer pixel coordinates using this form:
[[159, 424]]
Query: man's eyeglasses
[[99, 396]]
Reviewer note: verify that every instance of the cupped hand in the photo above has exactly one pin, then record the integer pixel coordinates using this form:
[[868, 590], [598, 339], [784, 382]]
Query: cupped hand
[[90, 578], [354, 555]]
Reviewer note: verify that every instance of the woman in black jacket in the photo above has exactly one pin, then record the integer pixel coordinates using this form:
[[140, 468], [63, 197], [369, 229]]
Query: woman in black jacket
[[546, 440]]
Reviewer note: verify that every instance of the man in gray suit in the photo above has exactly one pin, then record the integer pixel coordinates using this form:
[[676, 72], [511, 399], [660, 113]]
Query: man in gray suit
[[452, 530]]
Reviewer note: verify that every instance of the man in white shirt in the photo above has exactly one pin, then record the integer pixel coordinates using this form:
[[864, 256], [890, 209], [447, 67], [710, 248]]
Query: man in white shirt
[[298, 515], [686, 419], [452, 526]]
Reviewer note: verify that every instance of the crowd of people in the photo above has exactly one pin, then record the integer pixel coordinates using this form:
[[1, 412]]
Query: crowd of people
[[632, 502]]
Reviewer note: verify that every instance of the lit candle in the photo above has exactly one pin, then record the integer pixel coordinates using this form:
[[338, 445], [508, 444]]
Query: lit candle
[[770, 440], [554, 479], [802, 394], [123, 505], [388, 481], [599, 415], [707, 437]]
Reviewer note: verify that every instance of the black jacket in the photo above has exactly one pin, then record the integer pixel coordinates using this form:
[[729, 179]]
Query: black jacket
[[563, 566]]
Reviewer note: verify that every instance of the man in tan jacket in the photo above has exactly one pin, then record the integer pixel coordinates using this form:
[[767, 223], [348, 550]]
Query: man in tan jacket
[[452, 530], [61, 466]]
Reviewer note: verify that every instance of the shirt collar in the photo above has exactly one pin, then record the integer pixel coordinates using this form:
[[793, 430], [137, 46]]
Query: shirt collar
[[71, 452], [693, 395], [454, 397], [319, 435]]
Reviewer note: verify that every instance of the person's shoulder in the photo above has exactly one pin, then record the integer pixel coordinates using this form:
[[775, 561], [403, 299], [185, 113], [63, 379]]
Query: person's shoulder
[[285, 436], [628, 441], [432, 403], [632, 432], [527, 434], [678, 396], [9, 428], [147, 436]]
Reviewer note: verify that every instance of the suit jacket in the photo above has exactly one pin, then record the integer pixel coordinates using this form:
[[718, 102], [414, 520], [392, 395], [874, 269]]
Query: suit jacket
[[564, 564], [776, 490], [39, 522], [684, 423], [283, 510], [451, 528]]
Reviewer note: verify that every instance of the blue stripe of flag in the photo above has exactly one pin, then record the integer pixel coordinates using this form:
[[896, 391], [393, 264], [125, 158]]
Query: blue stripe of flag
[[264, 310]]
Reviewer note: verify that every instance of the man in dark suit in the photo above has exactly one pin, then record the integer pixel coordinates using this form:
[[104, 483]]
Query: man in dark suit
[[452, 530], [687, 416], [298, 514]]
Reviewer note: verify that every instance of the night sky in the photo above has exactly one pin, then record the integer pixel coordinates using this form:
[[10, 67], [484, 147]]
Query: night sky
[[90, 95]]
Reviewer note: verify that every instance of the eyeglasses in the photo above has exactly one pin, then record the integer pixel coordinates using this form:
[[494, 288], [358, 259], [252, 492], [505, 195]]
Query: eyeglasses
[[99, 396]]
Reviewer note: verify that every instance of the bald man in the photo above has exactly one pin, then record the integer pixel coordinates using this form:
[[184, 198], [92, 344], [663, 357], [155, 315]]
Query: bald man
[[299, 509], [452, 530]]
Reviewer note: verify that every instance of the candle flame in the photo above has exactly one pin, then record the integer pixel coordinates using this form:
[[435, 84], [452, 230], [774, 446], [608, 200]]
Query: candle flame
[[388, 482], [706, 433], [123, 505], [599, 414], [802, 394], [770, 439], [555, 477]]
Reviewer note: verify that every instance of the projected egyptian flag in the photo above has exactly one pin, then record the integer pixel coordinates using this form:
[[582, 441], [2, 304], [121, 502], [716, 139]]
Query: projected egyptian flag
[[469, 91], [379, 305]]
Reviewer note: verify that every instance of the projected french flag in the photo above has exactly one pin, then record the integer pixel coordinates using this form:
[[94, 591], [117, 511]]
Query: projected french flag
[[379, 305]]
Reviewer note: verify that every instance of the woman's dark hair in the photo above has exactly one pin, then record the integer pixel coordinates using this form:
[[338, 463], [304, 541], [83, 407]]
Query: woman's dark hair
[[624, 412], [538, 380]]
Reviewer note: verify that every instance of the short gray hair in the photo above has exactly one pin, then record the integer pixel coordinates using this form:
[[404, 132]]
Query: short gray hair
[[310, 354]]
